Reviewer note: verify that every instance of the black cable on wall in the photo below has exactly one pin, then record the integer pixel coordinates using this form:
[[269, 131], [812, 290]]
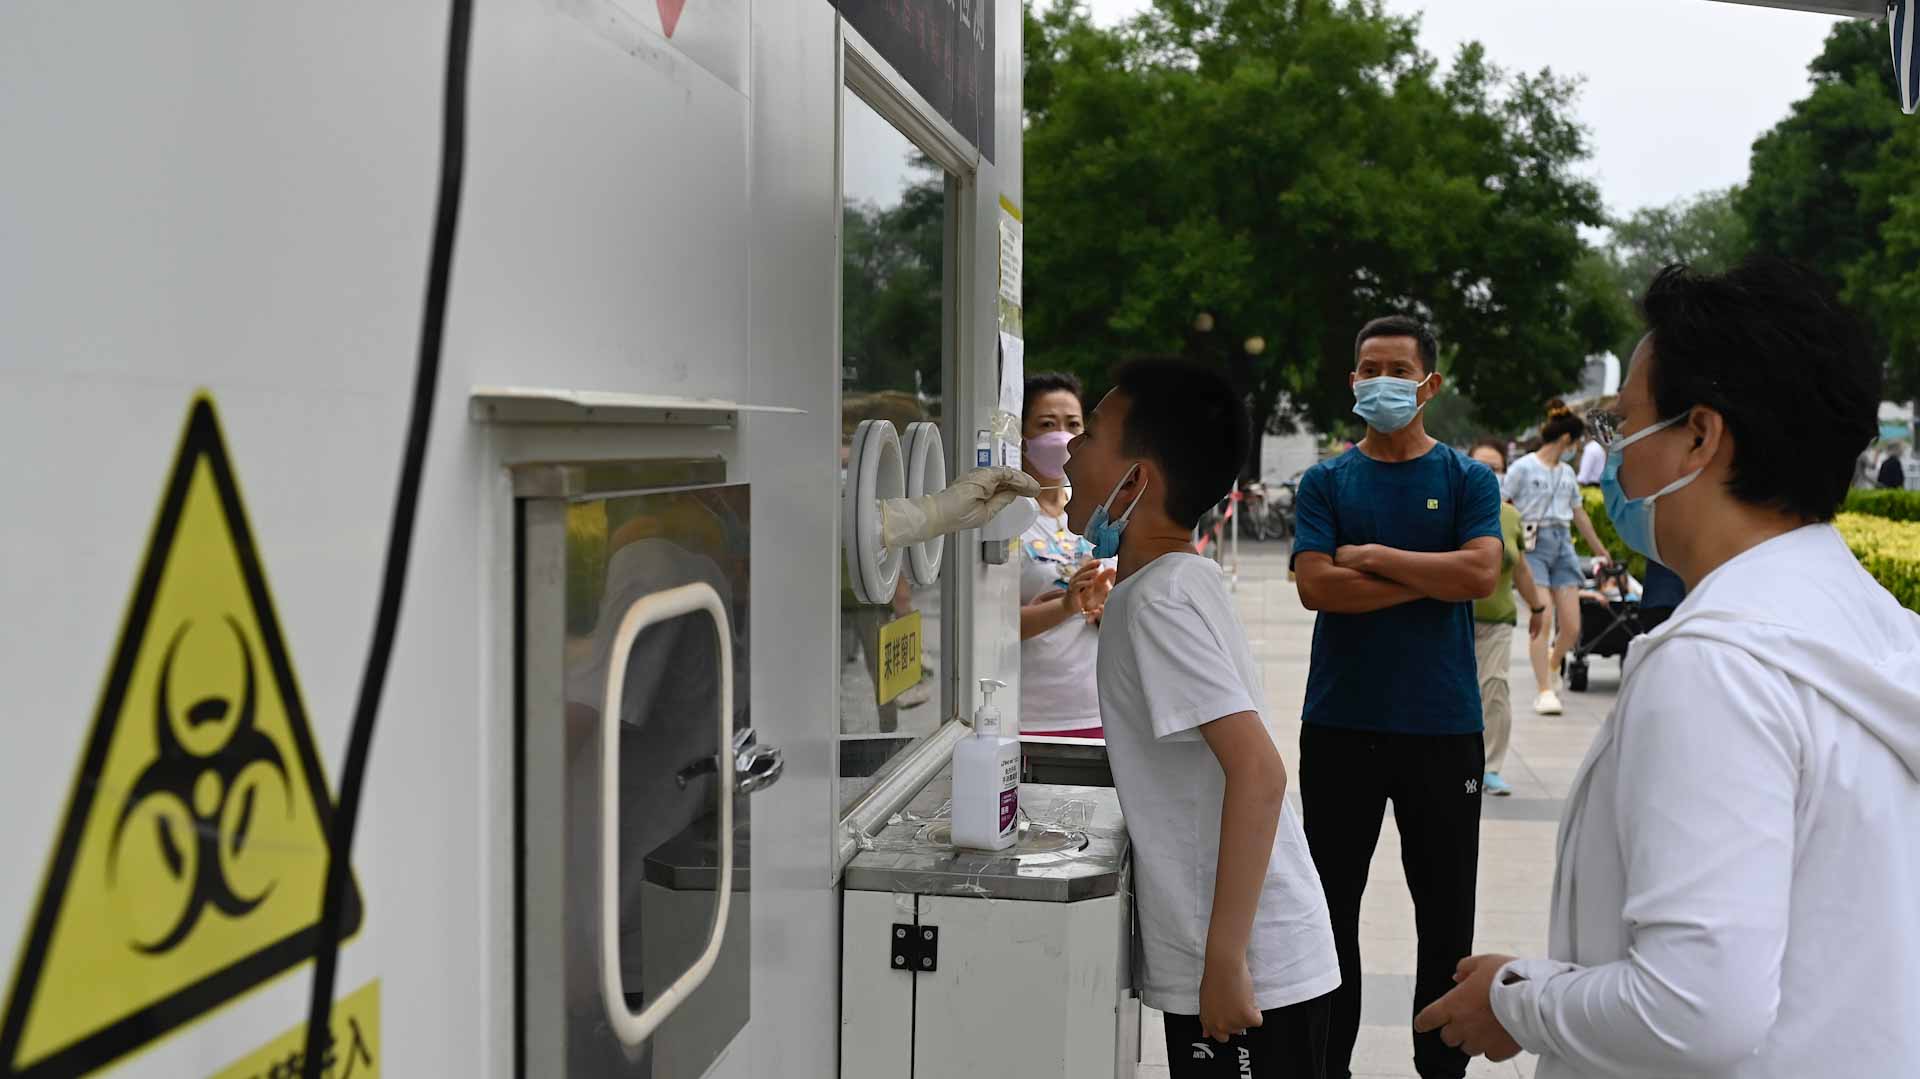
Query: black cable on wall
[[453, 123]]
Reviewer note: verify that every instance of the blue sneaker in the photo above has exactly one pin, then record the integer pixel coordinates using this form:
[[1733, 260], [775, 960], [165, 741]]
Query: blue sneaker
[[1495, 786]]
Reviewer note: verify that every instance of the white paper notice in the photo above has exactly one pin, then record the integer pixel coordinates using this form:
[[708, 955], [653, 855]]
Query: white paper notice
[[1013, 374], [1009, 259]]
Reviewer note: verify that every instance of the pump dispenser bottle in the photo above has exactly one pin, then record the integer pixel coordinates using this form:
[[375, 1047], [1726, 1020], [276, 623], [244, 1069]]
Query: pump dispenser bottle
[[986, 780]]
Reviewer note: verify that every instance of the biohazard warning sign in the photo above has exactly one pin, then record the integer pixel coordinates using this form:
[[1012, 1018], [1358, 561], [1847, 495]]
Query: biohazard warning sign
[[191, 862]]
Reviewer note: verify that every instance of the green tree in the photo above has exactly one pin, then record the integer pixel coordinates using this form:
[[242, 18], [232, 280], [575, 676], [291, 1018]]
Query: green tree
[[1706, 231], [891, 270], [1289, 169], [1832, 186]]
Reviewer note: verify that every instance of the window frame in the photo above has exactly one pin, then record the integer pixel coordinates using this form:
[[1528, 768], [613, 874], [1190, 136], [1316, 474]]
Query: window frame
[[864, 74]]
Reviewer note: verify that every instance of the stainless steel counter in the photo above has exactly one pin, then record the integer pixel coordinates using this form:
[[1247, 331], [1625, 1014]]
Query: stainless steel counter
[[1074, 848]]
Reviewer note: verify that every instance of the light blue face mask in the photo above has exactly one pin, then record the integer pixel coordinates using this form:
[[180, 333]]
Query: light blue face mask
[[1633, 517], [1105, 534], [1387, 404]]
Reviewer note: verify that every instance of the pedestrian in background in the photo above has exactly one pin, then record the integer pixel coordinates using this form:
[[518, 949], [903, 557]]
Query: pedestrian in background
[[1593, 459], [1493, 621], [1545, 490]]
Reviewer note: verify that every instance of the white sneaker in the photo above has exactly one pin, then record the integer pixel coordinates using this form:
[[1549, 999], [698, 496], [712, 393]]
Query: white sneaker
[[1547, 704]]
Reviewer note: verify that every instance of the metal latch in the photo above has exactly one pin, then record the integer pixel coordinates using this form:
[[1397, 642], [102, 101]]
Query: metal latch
[[755, 767], [916, 948]]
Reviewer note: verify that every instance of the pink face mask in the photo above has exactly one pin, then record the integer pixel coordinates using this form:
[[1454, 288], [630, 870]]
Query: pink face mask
[[1048, 453]]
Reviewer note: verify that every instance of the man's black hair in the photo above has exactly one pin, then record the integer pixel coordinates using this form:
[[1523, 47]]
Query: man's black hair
[[1190, 422], [1402, 326], [1043, 382], [1769, 347]]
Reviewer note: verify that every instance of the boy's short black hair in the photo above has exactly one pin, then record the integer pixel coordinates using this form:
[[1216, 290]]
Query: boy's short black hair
[[1190, 422], [1044, 382], [1769, 347], [1401, 326]]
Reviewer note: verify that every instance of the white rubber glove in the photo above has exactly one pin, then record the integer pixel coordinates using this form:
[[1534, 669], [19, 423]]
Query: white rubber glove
[[969, 502]]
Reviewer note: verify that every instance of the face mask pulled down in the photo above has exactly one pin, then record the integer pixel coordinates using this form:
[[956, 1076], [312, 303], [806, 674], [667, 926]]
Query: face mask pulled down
[[1104, 534], [1633, 517], [1387, 404]]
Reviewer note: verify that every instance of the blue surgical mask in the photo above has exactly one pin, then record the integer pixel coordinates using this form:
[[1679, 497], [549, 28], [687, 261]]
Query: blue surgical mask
[[1387, 404], [1633, 517], [1105, 534]]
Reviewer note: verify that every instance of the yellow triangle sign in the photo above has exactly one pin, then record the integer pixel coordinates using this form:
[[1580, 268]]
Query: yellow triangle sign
[[192, 859]]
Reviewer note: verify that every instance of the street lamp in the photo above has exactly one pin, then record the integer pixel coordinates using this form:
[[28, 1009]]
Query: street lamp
[[1256, 345], [1203, 322]]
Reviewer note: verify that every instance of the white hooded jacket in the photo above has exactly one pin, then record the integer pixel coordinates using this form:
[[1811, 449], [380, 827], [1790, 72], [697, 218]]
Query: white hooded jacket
[[1738, 883]]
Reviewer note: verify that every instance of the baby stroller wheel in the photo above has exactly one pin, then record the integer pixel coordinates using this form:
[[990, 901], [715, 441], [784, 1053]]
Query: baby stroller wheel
[[1577, 675]]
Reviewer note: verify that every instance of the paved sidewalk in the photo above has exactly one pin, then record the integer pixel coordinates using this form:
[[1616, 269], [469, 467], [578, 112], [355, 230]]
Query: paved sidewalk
[[1516, 833]]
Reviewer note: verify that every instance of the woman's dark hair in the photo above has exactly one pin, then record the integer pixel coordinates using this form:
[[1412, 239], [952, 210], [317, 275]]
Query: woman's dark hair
[[1769, 347], [1044, 382], [1561, 422], [1493, 444], [1186, 419]]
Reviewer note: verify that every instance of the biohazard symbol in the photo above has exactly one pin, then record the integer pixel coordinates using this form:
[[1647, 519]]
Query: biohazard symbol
[[190, 865]]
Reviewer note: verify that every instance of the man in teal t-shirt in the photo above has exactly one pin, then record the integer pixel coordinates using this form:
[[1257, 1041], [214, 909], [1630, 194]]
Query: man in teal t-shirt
[[1393, 542]]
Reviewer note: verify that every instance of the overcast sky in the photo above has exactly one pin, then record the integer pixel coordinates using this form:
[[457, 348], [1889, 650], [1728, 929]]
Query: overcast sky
[[1675, 90]]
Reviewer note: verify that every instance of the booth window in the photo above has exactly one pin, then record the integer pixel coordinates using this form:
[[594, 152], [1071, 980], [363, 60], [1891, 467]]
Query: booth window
[[897, 366]]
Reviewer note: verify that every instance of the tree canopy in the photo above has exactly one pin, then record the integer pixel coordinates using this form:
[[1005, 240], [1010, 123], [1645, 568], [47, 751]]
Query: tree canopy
[[1224, 173]]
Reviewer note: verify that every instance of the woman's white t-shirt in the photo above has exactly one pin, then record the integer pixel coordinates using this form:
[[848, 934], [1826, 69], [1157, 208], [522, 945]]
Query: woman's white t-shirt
[[1542, 495], [1175, 659], [1058, 690]]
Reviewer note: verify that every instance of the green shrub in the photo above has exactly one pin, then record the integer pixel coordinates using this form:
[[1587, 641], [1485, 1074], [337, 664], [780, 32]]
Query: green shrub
[[1890, 550], [1886, 543], [1892, 505], [1597, 510]]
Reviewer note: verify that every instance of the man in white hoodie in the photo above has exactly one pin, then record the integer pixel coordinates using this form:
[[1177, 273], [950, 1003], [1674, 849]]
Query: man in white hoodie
[[1738, 885]]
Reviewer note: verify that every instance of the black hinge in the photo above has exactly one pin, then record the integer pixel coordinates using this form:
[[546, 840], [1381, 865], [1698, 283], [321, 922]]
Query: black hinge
[[916, 948]]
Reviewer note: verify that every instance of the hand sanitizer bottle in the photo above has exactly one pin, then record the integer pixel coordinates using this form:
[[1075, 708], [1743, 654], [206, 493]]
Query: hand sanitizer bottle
[[986, 780]]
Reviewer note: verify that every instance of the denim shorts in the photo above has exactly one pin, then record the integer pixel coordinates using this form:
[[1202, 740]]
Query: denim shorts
[[1552, 559]]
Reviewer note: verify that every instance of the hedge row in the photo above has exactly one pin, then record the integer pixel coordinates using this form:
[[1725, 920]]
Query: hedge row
[[1893, 505], [1597, 510], [1882, 528], [1890, 550]]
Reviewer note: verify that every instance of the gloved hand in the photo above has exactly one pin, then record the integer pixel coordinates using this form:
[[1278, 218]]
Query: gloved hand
[[969, 502]]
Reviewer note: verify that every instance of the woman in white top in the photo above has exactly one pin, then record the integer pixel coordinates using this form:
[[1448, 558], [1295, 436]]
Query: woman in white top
[[1063, 588], [1738, 863], [1543, 487]]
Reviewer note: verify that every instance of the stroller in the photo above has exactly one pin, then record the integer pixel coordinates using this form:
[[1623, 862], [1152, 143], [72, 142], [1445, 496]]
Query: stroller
[[1606, 628]]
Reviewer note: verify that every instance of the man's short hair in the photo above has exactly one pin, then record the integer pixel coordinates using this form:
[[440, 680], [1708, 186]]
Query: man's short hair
[[1401, 326], [1769, 347], [1188, 420]]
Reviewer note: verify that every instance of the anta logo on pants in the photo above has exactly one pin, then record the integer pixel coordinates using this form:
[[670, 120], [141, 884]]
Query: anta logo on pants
[[1246, 1063]]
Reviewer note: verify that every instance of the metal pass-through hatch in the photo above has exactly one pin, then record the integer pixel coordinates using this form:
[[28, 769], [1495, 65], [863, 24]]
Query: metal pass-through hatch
[[636, 758]]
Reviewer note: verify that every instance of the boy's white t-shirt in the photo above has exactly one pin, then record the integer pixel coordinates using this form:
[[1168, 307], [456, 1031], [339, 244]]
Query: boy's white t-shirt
[[1173, 657]]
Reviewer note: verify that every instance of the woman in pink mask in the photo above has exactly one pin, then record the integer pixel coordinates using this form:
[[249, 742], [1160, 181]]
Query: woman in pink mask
[[1063, 588]]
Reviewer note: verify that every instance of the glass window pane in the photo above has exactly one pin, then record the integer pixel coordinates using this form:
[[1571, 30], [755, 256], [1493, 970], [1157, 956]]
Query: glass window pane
[[894, 367]]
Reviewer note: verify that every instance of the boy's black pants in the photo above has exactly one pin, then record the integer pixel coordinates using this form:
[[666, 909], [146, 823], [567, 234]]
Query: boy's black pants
[[1347, 777], [1290, 1043]]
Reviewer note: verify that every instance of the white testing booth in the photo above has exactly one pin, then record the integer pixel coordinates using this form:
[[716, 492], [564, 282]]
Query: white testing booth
[[642, 714]]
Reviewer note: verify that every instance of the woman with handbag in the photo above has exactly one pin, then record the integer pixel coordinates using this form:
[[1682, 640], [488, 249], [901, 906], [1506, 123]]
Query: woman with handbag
[[1543, 487]]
